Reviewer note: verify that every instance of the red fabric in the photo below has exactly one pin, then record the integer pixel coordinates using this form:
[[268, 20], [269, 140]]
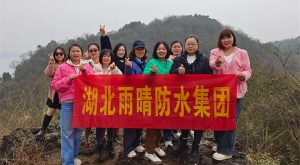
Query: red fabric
[[116, 131], [195, 101]]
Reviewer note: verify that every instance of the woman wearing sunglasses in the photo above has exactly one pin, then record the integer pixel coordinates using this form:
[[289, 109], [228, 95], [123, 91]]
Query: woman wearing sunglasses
[[93, 52], [55, 60]]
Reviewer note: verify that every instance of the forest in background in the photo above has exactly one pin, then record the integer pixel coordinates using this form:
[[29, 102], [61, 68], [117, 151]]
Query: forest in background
[[270, 119]]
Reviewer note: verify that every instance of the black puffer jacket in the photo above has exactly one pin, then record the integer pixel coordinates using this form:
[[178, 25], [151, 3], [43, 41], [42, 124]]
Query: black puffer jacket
[[199, 66]]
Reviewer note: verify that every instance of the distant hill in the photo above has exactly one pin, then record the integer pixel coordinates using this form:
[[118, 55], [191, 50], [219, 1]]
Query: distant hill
[[32, 64], [286, 45], [290, 51]]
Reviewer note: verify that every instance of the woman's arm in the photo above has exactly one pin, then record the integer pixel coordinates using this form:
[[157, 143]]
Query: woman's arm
[[105, 42], [175, 66], [49, 71], [247, 71], [148, 67], [214, 55], [60, 82], [104, 39]]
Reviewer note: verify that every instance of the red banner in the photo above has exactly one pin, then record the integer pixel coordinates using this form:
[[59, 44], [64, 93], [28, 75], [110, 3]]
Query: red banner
[[190, 101]]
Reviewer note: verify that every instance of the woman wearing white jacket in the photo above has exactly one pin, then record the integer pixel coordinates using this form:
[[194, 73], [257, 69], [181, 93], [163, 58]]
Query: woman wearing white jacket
[[106, 66]]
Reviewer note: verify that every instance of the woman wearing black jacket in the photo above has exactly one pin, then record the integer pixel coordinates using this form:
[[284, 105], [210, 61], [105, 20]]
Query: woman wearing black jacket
[[191, 61], [120, 54], [120, 51]]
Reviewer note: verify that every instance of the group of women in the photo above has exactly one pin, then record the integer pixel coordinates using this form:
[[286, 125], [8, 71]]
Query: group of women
[[63, 68]]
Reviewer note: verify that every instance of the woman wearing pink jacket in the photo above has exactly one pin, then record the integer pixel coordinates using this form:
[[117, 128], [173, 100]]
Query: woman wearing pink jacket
[[63, 83], [229, 59], [53, 103]]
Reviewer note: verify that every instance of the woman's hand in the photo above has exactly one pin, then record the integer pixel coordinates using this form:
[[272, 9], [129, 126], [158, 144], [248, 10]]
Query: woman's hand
[[128, 63], [82, 68], [218, 61], [85, 55], [102, 30], [241, 76], [72, 77], [154, 69], [51, 58], [172, 57], [181, 69], [112, 66]]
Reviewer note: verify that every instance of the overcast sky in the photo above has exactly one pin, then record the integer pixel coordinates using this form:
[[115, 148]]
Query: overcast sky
[[28, 23]]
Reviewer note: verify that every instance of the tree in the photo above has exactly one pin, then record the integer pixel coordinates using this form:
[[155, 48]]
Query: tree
[[6, 76], [39, 47]]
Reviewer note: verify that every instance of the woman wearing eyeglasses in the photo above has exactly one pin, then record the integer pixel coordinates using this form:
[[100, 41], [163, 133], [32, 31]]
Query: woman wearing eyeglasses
[[55, 60], [191, 61]]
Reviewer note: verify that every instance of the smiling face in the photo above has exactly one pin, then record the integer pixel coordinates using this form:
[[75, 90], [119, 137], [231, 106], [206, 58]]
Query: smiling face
[[106, 60], [75, 54], [59, 55], [227, 42], [93, 52], [140, 52], [121, 52], [191, 46], [176, 49], [161, 51]]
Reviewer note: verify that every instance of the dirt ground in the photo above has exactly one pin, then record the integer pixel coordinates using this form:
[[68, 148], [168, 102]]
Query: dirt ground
[[205, 154], [19, 147]]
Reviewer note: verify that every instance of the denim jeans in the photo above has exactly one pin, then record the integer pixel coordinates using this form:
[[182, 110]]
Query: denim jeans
[[226, 139], [100, 132], [70, 137], [168, 134]]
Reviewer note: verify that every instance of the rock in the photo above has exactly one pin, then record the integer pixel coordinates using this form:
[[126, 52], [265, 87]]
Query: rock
[[21, 144]]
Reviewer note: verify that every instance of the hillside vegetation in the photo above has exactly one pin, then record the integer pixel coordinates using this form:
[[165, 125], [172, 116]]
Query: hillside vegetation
[[270, 118]]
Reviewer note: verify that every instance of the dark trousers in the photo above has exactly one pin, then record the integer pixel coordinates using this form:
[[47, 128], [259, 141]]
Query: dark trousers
[[100, 132], [197, 135], [153, 137], [131, 139], [168, 134]]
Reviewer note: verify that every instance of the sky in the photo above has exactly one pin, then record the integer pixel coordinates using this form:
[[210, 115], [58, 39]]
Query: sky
[[26, 24]]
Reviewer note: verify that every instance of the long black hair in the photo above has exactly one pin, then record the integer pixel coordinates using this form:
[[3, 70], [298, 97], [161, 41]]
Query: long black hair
[[120, 64]]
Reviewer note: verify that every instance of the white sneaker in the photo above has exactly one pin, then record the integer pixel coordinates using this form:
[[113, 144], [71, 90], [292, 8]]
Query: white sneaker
[[177, 135], [77, 161], [139, 149], [168, 143], [160, 152], [218, 156], [192, 133], [214, 148], [131, 154], [153, 158]]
